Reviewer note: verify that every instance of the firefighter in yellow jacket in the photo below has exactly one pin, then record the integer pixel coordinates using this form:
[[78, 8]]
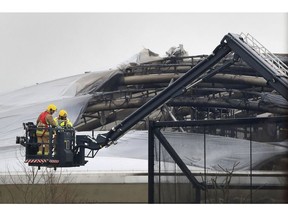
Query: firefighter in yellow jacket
[[44, 122], [62, 120]]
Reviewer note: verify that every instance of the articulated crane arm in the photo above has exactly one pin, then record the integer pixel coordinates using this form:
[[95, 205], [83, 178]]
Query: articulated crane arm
[[267, 65]]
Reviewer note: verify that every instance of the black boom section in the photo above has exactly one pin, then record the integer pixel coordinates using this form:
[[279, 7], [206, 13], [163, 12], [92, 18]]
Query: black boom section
[[277, 81], [230, 43], [174, 89]]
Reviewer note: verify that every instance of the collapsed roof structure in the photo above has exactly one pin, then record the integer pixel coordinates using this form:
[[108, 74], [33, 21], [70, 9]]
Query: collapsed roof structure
[[234, 90]]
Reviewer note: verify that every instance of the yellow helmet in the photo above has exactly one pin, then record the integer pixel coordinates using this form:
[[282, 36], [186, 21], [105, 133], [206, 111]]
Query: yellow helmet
[[51, 107], [63, 113]]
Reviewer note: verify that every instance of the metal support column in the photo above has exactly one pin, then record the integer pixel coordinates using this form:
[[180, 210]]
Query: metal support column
[[151, 163]]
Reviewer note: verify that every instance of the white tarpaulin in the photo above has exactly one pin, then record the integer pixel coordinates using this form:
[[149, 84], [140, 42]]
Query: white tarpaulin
[[24, 105]]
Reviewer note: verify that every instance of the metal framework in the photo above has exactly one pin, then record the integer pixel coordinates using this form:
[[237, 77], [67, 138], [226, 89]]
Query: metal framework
[[155, 128], [235, 81], [235, 48]]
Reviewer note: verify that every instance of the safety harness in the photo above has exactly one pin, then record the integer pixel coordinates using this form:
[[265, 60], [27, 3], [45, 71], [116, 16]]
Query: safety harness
[[42, 122]]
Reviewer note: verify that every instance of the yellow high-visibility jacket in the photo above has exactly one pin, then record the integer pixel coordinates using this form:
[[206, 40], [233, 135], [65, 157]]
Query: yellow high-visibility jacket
[[63, 123]]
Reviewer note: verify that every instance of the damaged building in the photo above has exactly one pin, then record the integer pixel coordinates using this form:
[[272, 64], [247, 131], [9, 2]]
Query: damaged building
[[227, 111]]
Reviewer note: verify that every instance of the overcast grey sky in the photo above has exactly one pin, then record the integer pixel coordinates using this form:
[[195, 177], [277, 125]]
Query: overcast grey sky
[[38, 47]]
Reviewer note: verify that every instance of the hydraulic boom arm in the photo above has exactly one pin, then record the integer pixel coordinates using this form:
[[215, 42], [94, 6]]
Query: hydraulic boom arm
[[229, 43], [176, 88]]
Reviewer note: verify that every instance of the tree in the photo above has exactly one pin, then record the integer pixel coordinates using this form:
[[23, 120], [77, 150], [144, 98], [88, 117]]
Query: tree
[[37, 186]]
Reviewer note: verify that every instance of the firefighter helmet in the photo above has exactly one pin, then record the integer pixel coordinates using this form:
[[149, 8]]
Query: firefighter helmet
[[51, 107], [63, 113]]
